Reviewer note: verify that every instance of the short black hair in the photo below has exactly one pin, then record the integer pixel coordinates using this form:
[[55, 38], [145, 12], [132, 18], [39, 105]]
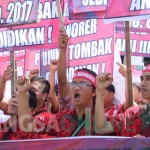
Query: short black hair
[[43, 81], [137, 85], [111, 88], [32, 99], [56, 90]]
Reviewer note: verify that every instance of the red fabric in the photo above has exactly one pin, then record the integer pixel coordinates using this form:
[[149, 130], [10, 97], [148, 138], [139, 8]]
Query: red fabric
[[65, 104], [64, 124], [20, 135], [147, 68], [1, 131], [113, 111], [39, 110], [85, 75], [4, 128], [131, 122]]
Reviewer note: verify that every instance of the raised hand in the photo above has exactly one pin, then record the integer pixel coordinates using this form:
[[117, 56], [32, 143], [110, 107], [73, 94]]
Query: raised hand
[[23, 84], [122, 70], [7, 74], [63, 39], [53, 65], [33, 73], [103, 80]]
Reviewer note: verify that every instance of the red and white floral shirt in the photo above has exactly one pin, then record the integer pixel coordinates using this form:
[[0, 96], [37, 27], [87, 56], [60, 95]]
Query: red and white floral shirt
[[65, 104], [135, 120]]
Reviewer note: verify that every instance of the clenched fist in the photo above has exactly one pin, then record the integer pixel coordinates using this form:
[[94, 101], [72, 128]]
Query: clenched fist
[[103, 80], [53, 65], [23, 84], [7, 74], [33, 73]]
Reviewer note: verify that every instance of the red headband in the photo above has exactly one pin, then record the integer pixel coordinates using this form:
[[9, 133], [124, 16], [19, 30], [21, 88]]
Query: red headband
[[85, 75], [147, 68]]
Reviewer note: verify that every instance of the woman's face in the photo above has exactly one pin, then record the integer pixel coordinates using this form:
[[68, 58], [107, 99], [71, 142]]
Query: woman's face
[[13, 104]]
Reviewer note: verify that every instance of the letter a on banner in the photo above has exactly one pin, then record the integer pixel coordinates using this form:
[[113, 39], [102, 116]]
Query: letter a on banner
[[120, 10]]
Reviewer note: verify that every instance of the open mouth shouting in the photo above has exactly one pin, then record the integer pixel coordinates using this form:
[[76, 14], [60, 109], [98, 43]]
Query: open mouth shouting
[[76, 96]]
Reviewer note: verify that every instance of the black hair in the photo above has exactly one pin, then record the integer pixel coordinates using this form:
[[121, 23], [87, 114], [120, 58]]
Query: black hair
[[111, 88], [137, 85], [93, 86], [146, 61], [43, 81], [56, 90], [32, 99]]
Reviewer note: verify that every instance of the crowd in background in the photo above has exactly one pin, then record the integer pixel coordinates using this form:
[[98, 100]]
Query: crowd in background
[[39, 109]]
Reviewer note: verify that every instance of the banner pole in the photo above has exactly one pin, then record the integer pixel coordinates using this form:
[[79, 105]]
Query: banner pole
[[60, 14], [87, 121], [12, 62], [128, 64]]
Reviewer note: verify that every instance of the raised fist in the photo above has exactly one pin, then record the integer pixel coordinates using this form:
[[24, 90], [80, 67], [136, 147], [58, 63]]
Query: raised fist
[[53, 65], [7, 74], [23, 84], [63, 39], [103, 80], [33, 73]]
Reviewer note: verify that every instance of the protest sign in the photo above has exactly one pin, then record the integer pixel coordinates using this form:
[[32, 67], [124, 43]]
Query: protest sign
[[120, 10], [87, 9], [13, 12]]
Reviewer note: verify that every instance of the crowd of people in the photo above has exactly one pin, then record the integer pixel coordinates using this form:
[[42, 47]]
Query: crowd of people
[[38, 110]]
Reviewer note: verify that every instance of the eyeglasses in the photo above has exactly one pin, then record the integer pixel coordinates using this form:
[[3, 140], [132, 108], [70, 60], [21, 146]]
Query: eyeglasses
[[82, 84]]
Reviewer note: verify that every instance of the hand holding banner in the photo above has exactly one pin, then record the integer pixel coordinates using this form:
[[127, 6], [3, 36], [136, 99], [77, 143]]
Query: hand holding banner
[[60, 14]]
